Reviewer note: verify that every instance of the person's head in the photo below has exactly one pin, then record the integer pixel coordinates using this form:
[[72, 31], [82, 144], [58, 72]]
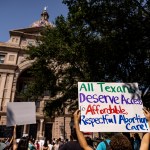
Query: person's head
[[108, 135], [136, 136], [120, 142], [89, 141], [31, 141], [45, 143], [57, 141], [23, 143]]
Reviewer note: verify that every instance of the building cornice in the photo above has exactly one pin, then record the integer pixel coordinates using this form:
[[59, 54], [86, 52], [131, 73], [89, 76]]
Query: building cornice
[[7, 71], [9, 46], [7, 66], [22, 34], [6, 47], [29, 30]]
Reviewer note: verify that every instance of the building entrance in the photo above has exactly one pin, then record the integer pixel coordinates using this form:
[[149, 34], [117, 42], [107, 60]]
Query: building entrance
[[48, 131], [33, 131]]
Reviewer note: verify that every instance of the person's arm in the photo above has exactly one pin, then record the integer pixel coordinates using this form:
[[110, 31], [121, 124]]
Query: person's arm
[[145, 142], [14, 139], [80, 135], [10, 143], [147, 115]]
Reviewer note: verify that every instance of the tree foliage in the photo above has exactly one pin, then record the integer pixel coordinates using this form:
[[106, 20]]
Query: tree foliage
[[100, 40]]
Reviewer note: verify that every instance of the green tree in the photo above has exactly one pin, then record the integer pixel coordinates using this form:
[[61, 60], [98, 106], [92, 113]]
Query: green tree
[[100, 40], [122, 27]]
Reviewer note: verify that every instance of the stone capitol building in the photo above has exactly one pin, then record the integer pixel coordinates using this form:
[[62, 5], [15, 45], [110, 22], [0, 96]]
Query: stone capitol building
[[13, 74]]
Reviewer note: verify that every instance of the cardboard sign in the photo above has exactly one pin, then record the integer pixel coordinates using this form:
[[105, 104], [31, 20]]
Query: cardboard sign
[[21, 113], [111, 107]]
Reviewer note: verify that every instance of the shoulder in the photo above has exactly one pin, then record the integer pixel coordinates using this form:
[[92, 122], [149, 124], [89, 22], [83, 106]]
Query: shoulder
[[74, 145], [102, 145]]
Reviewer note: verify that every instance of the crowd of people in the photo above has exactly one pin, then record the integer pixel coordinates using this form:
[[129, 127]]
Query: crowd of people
[[78, 141]]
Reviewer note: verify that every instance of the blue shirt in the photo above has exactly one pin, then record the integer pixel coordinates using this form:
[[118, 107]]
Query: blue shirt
[[102, 145], [31, 147]]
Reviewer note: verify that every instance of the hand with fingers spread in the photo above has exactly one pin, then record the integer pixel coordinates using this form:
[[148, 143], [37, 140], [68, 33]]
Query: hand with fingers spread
[[147, 115]]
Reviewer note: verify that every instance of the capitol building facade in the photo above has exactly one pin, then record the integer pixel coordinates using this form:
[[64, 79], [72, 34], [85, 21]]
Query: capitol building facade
[[13, 74]]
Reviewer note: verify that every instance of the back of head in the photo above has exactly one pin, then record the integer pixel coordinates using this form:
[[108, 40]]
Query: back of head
[[120, 142], [108, 135], [23, 143], [45, 143]]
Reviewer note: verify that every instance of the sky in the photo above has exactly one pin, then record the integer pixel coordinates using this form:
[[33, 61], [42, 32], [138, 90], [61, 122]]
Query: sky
[[17, 14]]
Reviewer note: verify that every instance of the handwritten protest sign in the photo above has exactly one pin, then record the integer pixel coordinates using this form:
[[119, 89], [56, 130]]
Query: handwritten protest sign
[[111, 107], [20, 113]]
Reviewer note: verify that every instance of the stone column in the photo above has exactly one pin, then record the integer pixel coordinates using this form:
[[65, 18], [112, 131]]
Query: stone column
[[14, 86], [13, 95], [41, 129], [9, 89], [2, 85]]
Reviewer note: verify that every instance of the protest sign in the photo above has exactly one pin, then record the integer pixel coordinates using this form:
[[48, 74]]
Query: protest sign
[[20, 113], [111, 107]]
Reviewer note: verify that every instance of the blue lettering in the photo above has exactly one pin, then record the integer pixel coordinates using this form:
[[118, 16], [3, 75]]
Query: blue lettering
[[135, 127], [102, 120]]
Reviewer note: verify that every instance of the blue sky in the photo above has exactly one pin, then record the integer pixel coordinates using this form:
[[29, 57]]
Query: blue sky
[[16, 14]]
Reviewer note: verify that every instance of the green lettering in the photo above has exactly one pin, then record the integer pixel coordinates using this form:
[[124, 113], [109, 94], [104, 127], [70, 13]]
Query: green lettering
[[119, 89], [107, 89], [101, 86], [83, 86]]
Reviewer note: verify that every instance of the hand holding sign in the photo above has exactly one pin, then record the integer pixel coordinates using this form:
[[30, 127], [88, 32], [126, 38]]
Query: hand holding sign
[[147, 115], [77, 116]]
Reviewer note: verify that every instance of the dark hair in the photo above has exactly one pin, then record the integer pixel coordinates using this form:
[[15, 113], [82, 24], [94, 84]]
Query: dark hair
[[108, 135], [45, 143], [23, 143], [137, 137], [120, 142], [89, 141], [146, 97]]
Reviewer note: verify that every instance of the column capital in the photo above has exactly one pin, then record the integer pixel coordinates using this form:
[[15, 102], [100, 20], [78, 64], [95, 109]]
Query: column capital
[[3, 75]]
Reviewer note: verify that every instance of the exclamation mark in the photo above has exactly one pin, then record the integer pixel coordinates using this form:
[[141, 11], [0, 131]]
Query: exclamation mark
[[146, 126]]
